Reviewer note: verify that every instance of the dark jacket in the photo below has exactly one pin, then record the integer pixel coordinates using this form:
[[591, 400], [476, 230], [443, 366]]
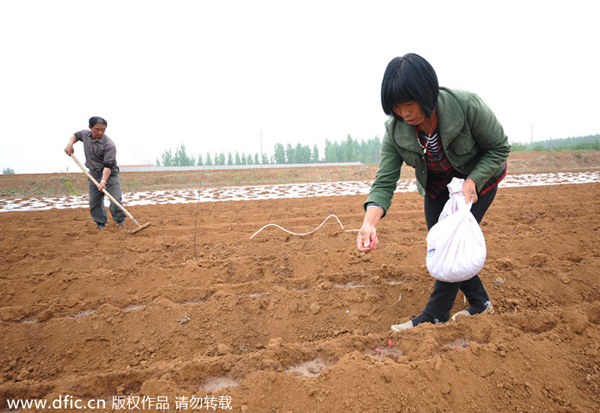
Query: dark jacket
[[472, 138]]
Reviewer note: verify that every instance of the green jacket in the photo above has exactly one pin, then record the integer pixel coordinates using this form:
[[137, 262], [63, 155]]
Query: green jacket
[[472, 138]]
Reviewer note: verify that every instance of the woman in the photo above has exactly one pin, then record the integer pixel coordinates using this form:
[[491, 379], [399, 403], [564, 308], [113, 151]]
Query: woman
[[442, 133]]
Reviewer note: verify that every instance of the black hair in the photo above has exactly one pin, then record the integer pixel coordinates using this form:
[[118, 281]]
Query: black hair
[[409, 78], [97, 119]]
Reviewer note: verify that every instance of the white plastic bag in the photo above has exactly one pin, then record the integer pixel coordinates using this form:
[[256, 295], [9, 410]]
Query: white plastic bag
[[455, 245]]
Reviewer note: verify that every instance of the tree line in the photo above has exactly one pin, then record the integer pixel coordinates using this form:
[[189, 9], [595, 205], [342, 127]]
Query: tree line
[[581, 143], [349, 150]]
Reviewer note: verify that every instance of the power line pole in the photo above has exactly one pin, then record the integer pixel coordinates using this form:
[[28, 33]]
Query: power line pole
[[531, 139]]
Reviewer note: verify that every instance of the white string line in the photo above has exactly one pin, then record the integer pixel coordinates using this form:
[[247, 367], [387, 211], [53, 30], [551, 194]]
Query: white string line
[[306, 233]]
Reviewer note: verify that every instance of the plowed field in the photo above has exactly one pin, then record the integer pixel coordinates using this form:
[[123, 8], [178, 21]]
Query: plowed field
[[192, 313]]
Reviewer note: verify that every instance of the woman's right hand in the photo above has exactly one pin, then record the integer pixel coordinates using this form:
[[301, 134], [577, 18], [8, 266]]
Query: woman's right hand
[[366, 240]]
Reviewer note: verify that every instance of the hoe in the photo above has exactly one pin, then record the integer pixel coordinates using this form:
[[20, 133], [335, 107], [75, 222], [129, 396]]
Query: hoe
[[139, 227]]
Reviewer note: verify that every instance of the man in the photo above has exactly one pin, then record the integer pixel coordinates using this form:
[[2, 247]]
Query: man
[[101, 159]]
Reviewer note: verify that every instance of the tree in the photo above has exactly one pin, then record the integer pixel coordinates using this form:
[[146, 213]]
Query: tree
[[328, 151], [279, 156], [302, 154], [351, 150], [200, 163], [333, 152], [348, 150], [8, 171], [182, 158], [315, 154], [208, 159], [290, 154], [374, 151], [518, 147], [167, 158]]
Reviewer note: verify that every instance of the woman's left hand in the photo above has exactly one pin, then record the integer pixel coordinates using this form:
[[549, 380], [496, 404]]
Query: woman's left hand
[[470, 190]]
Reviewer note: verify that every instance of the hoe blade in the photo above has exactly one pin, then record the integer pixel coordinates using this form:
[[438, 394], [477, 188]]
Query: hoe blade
[[141, 227]]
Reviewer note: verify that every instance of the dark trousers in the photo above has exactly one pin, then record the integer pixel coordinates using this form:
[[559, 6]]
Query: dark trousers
[[97, 208], [444, 293]]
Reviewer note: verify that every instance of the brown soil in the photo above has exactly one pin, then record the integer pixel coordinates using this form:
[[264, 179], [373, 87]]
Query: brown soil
[[284, 323]]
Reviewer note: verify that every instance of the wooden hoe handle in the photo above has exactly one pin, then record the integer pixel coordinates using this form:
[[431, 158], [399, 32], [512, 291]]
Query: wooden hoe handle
[[104, 190]]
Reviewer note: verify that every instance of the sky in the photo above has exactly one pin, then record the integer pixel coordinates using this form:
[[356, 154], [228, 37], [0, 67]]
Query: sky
[[227, 76]]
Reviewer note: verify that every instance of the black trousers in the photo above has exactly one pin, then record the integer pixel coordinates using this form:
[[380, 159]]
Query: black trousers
[[96, 198], [444, 293]]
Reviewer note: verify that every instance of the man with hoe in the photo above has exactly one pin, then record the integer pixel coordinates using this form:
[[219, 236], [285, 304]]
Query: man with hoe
[[101, 160]]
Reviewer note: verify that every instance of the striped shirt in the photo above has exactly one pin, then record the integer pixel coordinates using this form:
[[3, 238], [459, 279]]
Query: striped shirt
[[439, 169], [430, 142]]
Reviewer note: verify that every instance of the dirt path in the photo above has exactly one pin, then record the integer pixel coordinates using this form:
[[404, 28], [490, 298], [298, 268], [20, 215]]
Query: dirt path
[[283, 323]]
